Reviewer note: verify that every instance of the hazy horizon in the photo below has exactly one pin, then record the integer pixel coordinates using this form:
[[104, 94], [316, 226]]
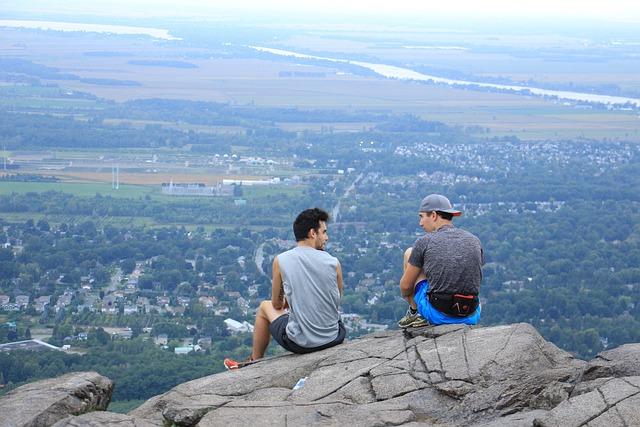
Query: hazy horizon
[[397, 13], [481, 52]]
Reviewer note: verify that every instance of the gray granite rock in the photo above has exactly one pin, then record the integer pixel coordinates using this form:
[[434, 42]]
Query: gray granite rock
[[614, 403], [518, 419], [42, 403], [103, 419], [623, 361], [432, 376], [444, 375]]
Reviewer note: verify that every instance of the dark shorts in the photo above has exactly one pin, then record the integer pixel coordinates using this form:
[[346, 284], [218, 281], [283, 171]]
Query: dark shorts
[[278, 329]]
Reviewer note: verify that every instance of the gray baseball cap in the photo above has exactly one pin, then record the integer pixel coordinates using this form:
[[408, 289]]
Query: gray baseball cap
[[439, 203]]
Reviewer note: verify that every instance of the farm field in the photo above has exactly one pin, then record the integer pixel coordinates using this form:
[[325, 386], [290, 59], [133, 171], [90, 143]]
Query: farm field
[[77, 189], [544, 58], [129, 191], [181, 126], [214, 74], [133, 178], [548, 123], [140, 177], [141, 166]]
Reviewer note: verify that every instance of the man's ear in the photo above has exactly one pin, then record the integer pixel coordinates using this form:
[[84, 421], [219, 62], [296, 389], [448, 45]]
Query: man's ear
[[312, 233]]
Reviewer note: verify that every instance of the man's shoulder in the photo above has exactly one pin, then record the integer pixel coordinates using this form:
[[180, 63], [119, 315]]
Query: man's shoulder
[[327, 255], [467, 233], [422, 240], [454, 234], [467, 239], [286, 253], [308, 251]]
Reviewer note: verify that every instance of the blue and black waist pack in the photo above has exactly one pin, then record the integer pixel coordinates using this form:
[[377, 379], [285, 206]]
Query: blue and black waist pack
[[455, 305]]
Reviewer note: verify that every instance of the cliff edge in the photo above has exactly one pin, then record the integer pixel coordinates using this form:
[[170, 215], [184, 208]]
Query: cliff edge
[[445, 375]]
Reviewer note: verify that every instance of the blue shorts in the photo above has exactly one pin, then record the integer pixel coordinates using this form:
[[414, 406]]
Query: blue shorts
[[435, 317]]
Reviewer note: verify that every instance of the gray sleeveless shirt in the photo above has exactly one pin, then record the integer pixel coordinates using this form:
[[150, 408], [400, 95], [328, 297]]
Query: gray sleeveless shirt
[[311, 286]]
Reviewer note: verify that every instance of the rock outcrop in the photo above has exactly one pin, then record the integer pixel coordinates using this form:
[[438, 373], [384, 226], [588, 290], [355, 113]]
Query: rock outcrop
[[442, 376], [42, 403], [448, 375]]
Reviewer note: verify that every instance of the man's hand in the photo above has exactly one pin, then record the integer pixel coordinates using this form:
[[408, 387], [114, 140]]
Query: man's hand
[[408, 280]]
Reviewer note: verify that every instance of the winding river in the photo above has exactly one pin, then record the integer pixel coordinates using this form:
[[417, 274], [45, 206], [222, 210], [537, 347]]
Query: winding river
[[157, 33], [393, 72]]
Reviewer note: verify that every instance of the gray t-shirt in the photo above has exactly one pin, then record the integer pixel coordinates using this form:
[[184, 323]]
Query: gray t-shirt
[[310, 284], [451, 259]]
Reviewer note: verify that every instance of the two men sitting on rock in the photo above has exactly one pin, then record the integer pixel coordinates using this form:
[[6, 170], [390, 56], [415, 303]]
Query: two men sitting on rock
[[441, 281], [302, 315], [443, 270]]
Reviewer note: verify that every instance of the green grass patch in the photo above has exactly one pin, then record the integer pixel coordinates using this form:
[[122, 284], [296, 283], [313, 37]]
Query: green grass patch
[[79, 189], [250, 192]]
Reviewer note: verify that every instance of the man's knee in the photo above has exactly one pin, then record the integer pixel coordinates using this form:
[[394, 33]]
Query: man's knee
[[407, 254], [264, 306], [266, 310]]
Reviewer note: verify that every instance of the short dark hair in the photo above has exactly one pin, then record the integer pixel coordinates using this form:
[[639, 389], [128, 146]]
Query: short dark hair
[[306, 220], [445, 215]]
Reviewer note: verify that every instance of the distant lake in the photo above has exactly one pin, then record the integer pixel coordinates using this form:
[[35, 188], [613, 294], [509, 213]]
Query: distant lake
[[157, 33], [393, 72]]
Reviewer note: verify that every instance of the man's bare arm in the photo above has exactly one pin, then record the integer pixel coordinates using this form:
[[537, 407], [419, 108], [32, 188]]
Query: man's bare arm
[[408, 280], [277, 289], [340, 281]]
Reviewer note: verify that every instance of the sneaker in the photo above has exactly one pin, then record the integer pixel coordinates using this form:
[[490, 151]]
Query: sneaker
[[231, 364], [412, 319]]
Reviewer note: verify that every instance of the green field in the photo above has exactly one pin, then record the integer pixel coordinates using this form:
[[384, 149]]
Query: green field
[[130, 191], [549, 122], [252, 194], [270, 190], [79, 189]]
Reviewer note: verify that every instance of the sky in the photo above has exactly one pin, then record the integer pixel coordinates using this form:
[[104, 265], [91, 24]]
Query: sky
[[624, 11]]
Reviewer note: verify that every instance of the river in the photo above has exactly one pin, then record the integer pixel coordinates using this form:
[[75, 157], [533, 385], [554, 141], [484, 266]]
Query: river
[[157, 33], [393, 72]]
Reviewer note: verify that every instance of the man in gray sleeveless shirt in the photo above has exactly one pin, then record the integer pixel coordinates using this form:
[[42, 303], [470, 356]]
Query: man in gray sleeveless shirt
[[443, 270], [302, 315]]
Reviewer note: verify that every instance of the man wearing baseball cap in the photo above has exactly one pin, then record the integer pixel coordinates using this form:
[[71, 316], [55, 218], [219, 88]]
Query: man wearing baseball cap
[[442, 271]]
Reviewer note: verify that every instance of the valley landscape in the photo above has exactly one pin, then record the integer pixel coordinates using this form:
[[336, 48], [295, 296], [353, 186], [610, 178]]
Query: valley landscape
[[531, 128]]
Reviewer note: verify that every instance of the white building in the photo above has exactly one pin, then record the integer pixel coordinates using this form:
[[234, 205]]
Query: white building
[[186, 349], [236, 327]]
